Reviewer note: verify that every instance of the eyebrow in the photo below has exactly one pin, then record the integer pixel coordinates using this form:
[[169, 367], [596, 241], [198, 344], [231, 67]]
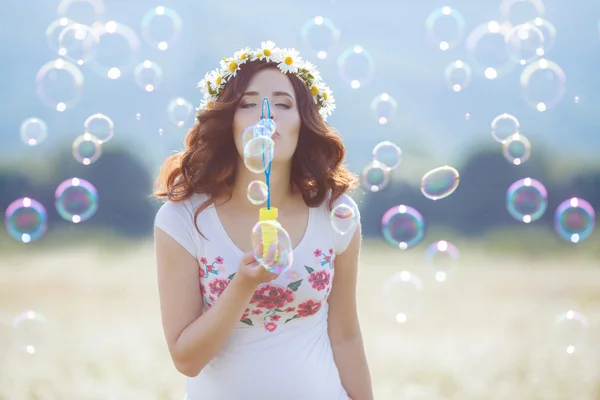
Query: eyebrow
[[276, 93]]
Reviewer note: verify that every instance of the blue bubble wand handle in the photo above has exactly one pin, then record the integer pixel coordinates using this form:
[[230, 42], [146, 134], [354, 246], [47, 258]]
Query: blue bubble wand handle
[[268, 213]]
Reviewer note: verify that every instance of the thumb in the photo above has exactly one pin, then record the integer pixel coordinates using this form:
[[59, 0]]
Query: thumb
[[248, 257], [269, 258]]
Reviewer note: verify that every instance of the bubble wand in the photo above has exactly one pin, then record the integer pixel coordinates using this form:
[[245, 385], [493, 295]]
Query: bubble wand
[[268, 213]]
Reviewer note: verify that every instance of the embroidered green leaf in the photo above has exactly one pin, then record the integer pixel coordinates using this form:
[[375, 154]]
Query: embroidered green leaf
[[230, 277], [294, 317], [278, 310], [270, 312], [247, 321], [309, 269], [295, 285]]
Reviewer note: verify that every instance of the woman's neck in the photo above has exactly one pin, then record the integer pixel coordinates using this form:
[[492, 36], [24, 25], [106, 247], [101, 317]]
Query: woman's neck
[[279, 181]]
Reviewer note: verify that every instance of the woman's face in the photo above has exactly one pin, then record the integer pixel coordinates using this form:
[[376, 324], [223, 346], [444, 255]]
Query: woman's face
[[277, 88]]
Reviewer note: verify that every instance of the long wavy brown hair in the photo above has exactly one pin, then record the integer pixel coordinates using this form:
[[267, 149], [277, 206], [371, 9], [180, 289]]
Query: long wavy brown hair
[[209, 161]]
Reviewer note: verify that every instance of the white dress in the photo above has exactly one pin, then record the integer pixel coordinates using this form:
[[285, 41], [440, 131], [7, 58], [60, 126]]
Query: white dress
[[280, 349]]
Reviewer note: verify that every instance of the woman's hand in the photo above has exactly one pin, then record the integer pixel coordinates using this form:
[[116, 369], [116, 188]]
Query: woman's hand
[[251, 272]]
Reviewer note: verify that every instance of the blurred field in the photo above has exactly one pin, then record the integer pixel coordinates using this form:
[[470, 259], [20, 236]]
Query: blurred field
[[486, 334]]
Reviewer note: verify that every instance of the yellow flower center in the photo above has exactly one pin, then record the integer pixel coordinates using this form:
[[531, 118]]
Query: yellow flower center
[[233, 66], [288, 60], [267, 52], [218, 80], [243, 56], [210, 105], [314, 90], [325, 96], [259, 55]]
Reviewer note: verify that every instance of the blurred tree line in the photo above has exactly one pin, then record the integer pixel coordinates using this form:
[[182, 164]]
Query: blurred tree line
[[124, 184]]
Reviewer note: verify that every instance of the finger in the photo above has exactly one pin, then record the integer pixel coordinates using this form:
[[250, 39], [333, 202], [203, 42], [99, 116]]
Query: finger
[[248, 257], [271, 251]]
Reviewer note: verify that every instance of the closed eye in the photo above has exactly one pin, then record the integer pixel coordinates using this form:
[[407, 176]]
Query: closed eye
[[284, 106], [248, 105]]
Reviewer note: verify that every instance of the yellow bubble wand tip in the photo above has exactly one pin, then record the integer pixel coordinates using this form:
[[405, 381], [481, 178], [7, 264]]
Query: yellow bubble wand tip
[[269, 231]]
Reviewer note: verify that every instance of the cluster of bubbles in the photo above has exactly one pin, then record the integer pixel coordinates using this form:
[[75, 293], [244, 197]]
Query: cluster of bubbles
[[259, 150], [112, 50], [520, 39], [26, 219], [83, 41], [496, 48]]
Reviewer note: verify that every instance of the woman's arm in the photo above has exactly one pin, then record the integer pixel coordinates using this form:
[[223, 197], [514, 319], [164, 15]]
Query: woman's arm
[[194, 338], [344, 328]]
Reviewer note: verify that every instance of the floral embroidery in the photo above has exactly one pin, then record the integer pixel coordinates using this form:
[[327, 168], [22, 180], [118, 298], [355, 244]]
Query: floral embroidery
[[270, 326], [308, 308], [325, 259], [206, 268], [319, 280], [272, 296], [218, 285], [273, 303]]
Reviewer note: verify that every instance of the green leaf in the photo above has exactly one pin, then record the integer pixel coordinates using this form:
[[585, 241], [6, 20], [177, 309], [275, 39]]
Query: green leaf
[[294, 317], [295, 285], [278, 310], [247, 321], [230, 277], [309, 269]]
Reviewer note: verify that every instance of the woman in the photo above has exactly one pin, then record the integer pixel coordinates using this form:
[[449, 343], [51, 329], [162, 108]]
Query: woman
[[244, 332]]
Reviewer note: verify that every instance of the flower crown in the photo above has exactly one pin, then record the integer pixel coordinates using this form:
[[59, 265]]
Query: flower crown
[[287, 60]]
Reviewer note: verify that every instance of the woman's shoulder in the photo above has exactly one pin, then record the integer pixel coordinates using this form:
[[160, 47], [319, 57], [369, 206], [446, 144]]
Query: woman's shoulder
[[182, 211], [337, 224], [344, 199]]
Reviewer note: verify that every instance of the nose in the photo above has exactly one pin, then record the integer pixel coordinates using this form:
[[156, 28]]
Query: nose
[[271, 117]]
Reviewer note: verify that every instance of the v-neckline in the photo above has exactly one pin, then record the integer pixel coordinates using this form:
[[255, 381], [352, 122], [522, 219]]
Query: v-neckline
[[221, 228]]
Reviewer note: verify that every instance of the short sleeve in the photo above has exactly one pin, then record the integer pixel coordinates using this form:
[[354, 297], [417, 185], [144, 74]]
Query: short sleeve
[[342, 241], [176, 219]]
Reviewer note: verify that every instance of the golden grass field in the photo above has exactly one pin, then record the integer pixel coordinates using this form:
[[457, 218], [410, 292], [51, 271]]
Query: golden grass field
[[486, 334]]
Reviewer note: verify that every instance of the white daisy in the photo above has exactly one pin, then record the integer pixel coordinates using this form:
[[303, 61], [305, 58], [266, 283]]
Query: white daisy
[[311, 69], [287, 60], [290, 61], [314, 91], [267, 52], [242, 56], [326, 94], [216, 80], [207, 102], [229, 66], [203, 84]]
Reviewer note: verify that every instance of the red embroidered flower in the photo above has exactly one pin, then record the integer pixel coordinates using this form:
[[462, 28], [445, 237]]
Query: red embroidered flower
[[218, 285], [275, 317], [219, 260], [257, 312], [246, 313], [270, 326], [318, 253], [290, 309], [330, 251], [308, 308], [327, 259], [272, 296], [203, 260], [319, 279], [202, 289], [201, 272]]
